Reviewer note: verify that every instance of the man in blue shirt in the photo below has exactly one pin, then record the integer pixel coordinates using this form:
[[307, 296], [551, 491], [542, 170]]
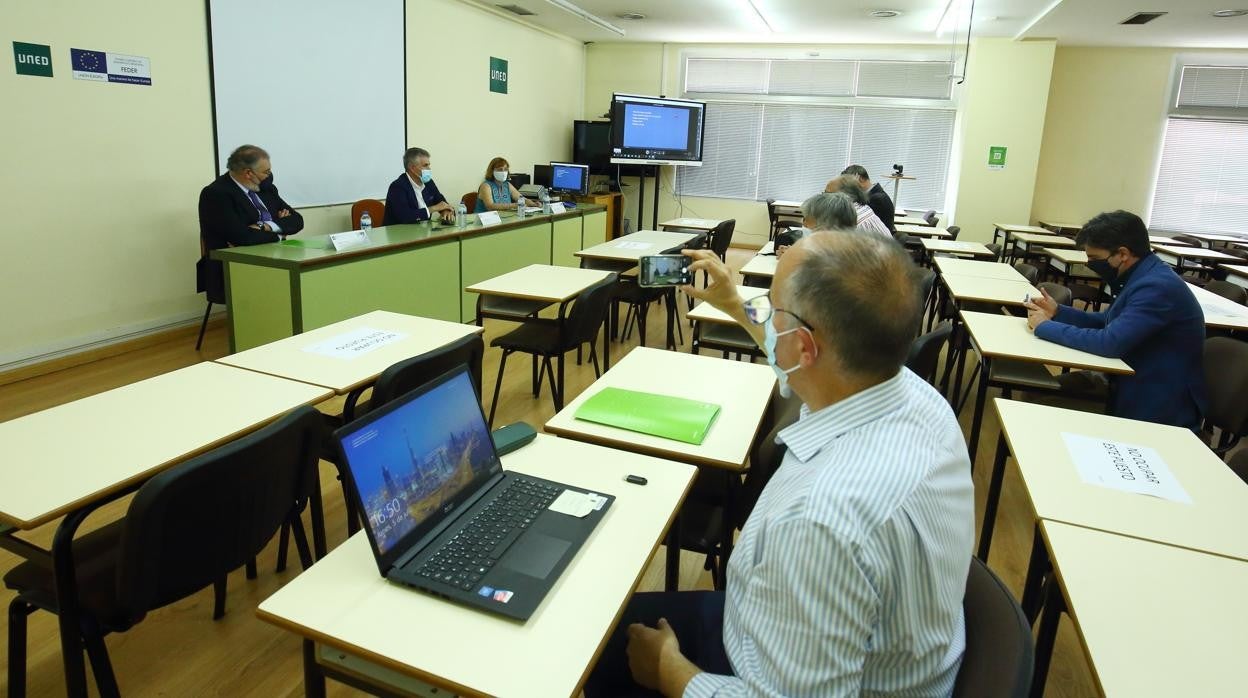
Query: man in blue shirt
[[1155, 325], [414, 197]]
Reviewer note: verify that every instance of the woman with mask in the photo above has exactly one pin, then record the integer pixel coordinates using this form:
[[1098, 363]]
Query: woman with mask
[[496, 193]]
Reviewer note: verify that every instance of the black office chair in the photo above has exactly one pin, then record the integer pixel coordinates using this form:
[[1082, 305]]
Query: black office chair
[[210, 281], [727, 339], [929, 217], [721, 238], [954, 231], [1029, 272], [1226, 380], [927, 286], [185, 530], [504, 308], [925, 352], [1058, 292], [551, 339], [1000, 655], [778, 222], [1239, 464], [995, 248], [1228, 291]]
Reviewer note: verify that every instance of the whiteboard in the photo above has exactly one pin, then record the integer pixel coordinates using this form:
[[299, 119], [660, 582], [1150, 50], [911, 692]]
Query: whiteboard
[[317, 83]]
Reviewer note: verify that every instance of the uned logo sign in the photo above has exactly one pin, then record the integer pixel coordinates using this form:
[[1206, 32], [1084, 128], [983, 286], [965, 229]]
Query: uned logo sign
[[32, 59], [498, 75]]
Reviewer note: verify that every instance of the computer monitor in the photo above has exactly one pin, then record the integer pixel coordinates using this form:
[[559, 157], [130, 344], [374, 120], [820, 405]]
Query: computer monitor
[[541, 175], [569, 178]]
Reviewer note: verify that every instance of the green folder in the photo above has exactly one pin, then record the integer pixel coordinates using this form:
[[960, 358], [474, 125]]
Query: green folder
[[670, 417]]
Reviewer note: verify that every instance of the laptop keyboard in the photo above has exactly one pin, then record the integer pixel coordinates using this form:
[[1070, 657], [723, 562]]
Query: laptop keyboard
[[463, 560]]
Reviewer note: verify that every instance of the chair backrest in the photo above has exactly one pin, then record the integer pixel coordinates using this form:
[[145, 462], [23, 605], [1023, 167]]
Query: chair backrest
[[1000, 657], [954, 231], [1057, 292], [930, 216], [1235, 252], [1239, 464], [1193, 241], [995, 248], [925, 351], [1028, 271], [1228, 290], [721, 237], [588, 311], [771, 211], [469, 201], [409, 374], [376, 211], [199, 520], [1226, 380], [927, 281], [765, 458]]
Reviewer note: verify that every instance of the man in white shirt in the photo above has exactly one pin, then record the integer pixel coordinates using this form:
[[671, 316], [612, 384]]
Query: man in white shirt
[[868, 221], [414, 197], [848, 577]]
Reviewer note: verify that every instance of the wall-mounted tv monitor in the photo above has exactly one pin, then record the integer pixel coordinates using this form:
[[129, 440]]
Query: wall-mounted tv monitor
[[591, 145], [656, 130], [569, 178]]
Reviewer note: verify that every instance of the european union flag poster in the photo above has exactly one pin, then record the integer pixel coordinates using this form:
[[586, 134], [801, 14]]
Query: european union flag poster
[[100, 66]]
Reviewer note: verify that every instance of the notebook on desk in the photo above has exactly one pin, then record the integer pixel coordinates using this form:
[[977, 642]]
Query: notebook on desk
[[442, 515], [667, 416]]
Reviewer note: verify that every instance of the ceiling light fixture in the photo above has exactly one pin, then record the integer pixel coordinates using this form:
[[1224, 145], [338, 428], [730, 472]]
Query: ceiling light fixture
[[587, 16], [631, 16], [884, 14], [1221, 14], [759, 14]]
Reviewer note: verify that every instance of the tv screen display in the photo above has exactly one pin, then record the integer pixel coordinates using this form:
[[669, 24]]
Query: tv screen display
[[656, 130], [570, 178]]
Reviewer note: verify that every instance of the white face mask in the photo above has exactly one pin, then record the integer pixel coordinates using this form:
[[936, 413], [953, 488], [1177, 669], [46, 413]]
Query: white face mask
[[500, 175]]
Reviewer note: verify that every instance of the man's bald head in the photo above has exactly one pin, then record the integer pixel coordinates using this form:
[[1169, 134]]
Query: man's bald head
[[859, 292]]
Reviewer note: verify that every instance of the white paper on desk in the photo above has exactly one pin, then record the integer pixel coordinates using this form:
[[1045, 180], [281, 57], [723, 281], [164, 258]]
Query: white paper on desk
[[574, 503], [356, 343], [1124, 467], [489, 218], [630, 245], [1217, 311], [558, 208]]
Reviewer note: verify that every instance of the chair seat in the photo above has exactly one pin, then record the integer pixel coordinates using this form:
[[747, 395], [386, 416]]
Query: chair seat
[[733, 337], [1025, 374], [503, 307], [535, 336], [95, 558]]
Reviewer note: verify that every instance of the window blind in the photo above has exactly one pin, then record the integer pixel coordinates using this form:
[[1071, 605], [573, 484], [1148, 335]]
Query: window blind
[[1213, 86], [1202, 183], [819, 78], [732, 133]]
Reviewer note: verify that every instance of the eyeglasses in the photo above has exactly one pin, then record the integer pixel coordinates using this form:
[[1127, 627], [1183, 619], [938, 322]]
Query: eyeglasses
[[759, 310]]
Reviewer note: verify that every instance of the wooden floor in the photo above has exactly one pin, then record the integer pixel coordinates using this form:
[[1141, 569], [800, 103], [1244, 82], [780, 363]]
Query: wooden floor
[[180, 651]]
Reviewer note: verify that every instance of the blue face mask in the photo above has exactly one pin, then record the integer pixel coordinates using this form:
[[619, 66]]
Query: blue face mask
[[769, 345], [425, 176]]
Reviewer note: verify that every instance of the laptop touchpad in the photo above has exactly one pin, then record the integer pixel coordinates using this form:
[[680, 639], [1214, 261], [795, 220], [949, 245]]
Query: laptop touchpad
[[535, 554]]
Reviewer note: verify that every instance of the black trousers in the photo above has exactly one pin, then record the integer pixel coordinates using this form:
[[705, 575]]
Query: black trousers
[[697, 617]]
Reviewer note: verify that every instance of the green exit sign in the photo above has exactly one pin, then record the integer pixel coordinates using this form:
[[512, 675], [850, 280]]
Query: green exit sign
[[498, 75], [32, 59]]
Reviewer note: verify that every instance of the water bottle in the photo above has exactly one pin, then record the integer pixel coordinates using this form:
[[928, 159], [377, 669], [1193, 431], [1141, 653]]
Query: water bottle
[[545, 197], [366, 222], [520, 207], [461, 215]]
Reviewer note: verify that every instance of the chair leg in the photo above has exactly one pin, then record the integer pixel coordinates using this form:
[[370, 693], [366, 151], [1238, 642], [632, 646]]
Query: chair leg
[[642, 312], [593, 357], [550, 375], [301, 541], [283, 546], [101, 667], [498, 385], [537, 379], [218, 598], [203, 327], [251, 568], [18, 610]]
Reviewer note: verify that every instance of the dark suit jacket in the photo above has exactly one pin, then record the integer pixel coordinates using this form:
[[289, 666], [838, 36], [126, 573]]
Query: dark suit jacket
[[1157, 327], [225, 214], [882, 204], [401, 205]]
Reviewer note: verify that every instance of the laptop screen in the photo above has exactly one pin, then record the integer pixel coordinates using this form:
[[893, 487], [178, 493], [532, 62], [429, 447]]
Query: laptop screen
[[418, 460]]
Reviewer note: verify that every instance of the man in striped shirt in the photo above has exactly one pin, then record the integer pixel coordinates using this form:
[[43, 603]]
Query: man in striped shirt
[[848, 577], [868, 221]]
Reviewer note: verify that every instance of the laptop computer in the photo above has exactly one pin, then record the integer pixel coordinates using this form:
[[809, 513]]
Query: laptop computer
[[441, 514]]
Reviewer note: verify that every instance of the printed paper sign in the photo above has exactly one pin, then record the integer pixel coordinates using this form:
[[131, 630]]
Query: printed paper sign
[[110, 67], [996, 157], [346, 241], [558, 208], [355, 343], [489, 218], [1124, 467], [573, 503]]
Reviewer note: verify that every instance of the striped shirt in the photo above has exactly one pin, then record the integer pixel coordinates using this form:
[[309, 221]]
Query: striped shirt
[[849, 575], [869, 222]]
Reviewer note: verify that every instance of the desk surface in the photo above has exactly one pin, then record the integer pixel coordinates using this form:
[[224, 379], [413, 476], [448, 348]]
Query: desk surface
[[742, 390], [290, 358], [540, 282], [1046, 240], [1171, 622], [911, 220], [978, 288], [64, 457], [1164, 240], [971, 267], [785, 203], [957, 247], [342, 601], [923, 231], [760, 265], [1006, 336], [691, 223], [705, 312], [1059, 225], [639, 244], [1069, 256], [1240, 270], [1018, 228], [1220, 311], [1193, 252], [1218, 237], [1214, 522]]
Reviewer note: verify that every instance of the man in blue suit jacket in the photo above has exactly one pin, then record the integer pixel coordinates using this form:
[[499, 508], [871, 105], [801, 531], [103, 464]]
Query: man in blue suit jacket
[[414, 197], [1155, 325]]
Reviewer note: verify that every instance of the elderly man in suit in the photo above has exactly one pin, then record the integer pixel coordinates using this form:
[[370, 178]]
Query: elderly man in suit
[[414, 197]]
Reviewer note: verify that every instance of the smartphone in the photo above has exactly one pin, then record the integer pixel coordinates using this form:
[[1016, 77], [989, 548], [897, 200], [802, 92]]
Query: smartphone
[[664, 270]]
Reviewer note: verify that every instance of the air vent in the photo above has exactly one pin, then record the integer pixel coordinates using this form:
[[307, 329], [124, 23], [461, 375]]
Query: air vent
[[517, 10], [1142, 17]]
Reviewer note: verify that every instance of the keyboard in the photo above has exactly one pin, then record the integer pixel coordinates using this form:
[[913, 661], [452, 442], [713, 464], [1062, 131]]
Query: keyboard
[[464, 559]]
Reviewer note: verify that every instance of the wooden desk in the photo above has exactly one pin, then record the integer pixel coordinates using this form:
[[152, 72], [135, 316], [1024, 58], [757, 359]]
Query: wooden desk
[[1164, 240], [1236, 273], [290, 358], [1071, 264], [1179, 631], [1023, 242], [970, 267], [1211, 238], [785, 207], [705, 312], [343, 603], [923, 231], [760, 268], [1007, 337], [65, 458], [987, 290], [1008, 229], [631, 247], [912, 220], [768, 247], [1068, 229], [1179, 257], [703, 224], [1220, 312], [957, 247]]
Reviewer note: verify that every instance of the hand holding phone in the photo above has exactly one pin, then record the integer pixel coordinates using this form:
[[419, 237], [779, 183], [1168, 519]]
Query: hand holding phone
[[664, 270]]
